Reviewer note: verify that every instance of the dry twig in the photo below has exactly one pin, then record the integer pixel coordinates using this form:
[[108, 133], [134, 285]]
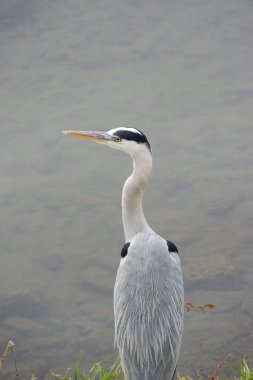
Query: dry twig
[[215, 374], [189, 306], [8, 348]]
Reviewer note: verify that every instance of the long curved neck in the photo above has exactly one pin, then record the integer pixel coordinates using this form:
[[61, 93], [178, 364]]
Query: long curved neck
[[133, 217]]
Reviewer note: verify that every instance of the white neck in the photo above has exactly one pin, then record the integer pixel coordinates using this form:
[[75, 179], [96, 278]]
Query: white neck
[[133, 218]]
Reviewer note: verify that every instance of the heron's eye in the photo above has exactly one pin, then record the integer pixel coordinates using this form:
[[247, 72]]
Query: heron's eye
[[118, 138]]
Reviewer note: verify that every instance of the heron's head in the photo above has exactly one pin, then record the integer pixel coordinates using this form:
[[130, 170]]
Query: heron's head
[[129, 140]]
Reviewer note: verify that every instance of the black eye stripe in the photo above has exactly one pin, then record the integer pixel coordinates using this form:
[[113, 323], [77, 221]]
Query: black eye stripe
[[139, 138]]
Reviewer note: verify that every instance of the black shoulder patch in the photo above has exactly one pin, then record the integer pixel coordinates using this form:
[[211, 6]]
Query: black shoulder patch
[[171, 246], [124, 250]]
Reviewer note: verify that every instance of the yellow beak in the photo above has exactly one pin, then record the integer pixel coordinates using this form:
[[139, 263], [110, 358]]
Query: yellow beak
[[100, 137]]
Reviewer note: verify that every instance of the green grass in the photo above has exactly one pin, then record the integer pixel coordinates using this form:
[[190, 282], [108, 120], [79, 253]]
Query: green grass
[[103, 371], [110, 369], [100, 371], [244, 371]]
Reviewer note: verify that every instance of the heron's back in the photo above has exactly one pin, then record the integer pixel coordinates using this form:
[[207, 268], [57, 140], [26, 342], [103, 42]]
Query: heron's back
[[148, 307]]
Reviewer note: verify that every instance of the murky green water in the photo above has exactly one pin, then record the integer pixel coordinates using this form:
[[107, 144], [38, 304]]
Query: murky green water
[[181, 72]]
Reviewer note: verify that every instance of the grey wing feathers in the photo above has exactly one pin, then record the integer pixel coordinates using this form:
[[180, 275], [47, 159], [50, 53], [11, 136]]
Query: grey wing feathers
[[148, 307]]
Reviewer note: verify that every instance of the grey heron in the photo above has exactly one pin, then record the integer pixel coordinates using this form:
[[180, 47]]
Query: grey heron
[[148, 292]]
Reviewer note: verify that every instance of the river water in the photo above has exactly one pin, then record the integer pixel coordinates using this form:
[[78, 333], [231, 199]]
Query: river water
[[181, 71]]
